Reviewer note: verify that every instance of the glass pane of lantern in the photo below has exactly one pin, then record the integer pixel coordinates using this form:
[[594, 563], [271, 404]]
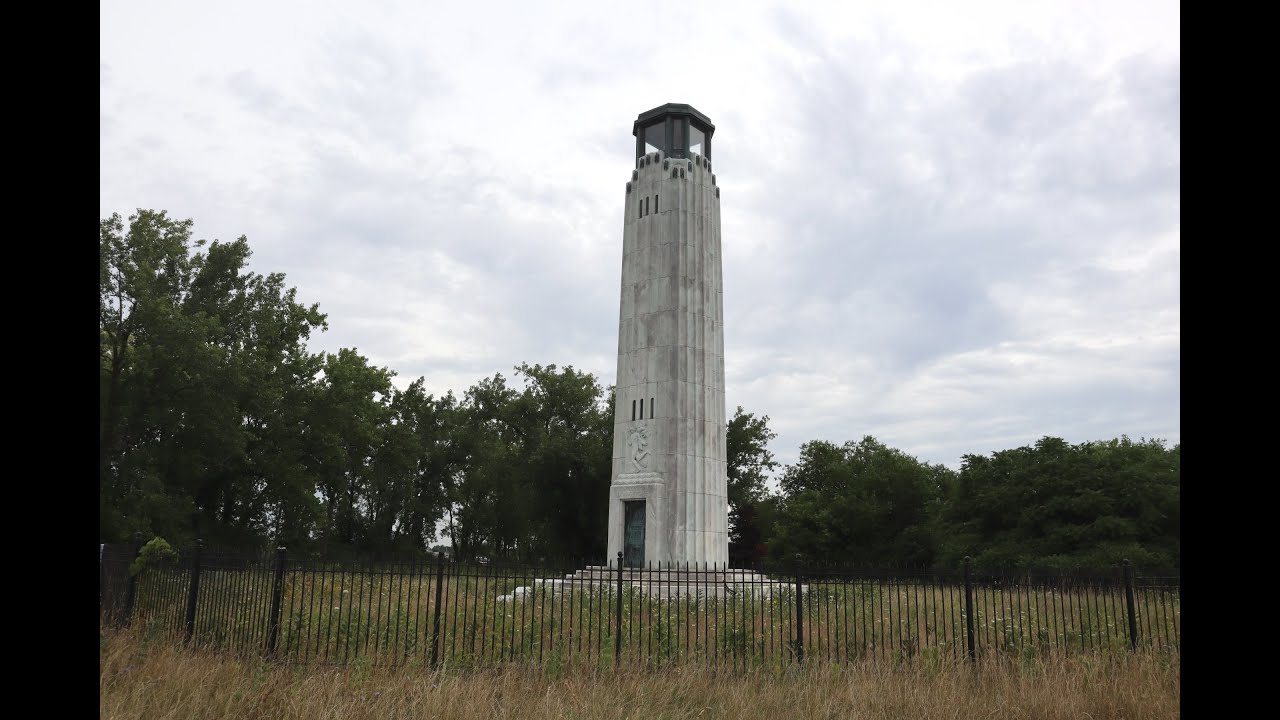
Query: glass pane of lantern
[[653, 137], [695, 140]]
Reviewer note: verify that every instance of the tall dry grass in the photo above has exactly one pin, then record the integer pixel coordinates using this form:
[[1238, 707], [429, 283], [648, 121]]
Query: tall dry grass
[[141, 680]]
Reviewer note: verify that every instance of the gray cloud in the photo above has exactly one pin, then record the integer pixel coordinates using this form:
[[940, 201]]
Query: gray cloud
[[956, 249]]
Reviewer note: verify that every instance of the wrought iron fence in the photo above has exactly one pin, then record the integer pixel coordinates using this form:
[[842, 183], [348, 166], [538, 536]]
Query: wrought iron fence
[[472, 614]]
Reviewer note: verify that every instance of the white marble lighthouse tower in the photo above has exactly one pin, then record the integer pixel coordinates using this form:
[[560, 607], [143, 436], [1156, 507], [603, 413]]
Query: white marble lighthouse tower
[[668, 500]]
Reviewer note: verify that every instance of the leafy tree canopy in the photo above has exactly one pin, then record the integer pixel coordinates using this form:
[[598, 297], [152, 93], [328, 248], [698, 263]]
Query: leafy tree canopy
[[216, 421]]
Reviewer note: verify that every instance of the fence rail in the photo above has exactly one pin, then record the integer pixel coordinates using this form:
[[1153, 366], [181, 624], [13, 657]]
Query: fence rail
[[440, 613]]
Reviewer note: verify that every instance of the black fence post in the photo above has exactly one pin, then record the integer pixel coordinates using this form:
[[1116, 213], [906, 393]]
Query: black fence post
[[968, 609], [131, 591], [617, 624], [435, 612], [102, 576], [799, 617], [277, 599], [1128, 599], [193, 591]]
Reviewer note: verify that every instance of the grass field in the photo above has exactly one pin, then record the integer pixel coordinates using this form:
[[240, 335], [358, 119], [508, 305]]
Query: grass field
[[143, 679]]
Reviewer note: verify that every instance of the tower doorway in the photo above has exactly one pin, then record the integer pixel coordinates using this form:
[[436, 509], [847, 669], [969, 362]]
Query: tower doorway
[[633, 533]]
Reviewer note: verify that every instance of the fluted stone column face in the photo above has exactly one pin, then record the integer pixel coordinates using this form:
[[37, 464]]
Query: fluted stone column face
[[669, 419]]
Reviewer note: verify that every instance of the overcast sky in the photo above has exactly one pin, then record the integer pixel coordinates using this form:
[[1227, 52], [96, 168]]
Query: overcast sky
[[952, 226]]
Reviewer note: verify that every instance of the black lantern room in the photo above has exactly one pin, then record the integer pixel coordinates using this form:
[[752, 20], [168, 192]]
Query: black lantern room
[[675, 130]]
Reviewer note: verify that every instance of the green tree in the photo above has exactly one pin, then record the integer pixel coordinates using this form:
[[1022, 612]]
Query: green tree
[[259, 486], [410, 469], [200, 361], [564, 424], [535, 464], [348, 417], [861, 502], [144, 272], [748, 461], [483, 497], [1061, 505]]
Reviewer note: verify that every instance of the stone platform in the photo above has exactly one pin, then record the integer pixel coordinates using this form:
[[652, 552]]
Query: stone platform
[[665, 584]]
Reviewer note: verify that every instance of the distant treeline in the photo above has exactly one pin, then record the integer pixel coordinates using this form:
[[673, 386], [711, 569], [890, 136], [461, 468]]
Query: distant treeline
[[217, 422]]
